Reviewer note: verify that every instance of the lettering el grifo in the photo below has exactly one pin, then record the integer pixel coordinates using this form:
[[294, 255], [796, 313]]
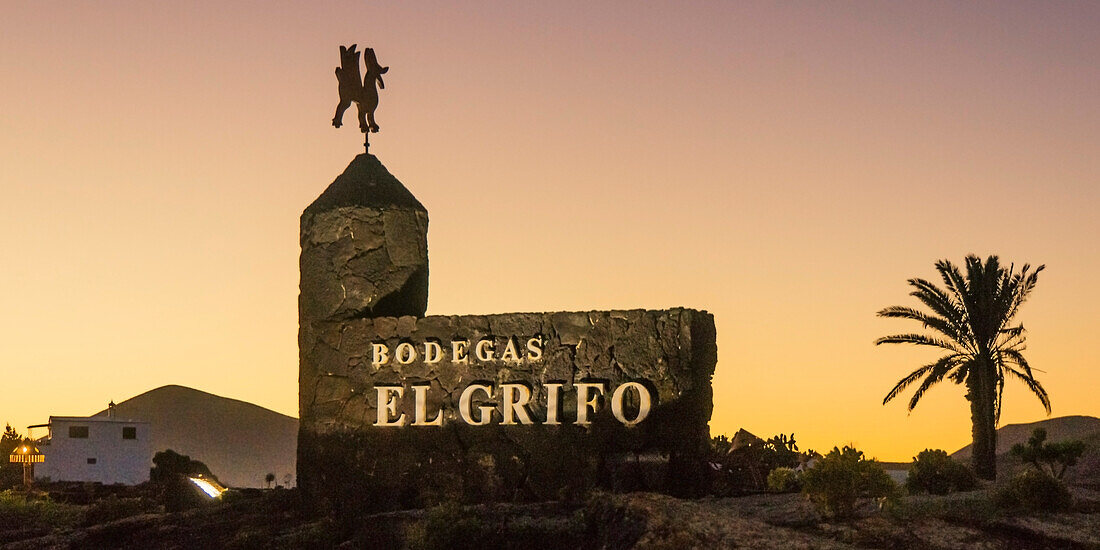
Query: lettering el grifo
[[515, 397]]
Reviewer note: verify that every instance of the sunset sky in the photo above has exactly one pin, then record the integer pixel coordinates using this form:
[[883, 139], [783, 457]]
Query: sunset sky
[[785, 166]]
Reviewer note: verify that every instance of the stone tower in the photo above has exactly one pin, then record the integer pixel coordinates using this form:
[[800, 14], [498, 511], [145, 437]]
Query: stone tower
[[364, 255], [364, 248]]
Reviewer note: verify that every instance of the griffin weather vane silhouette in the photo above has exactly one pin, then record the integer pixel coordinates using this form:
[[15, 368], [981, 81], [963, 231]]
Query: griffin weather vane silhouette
[[361, 90]]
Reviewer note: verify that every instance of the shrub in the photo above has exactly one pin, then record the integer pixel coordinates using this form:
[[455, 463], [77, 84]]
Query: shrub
[[169, 463], [112, 508], [448, 526], [11, 474], [1049, 458], [19, 511], [935, 472], [719, 446], [746, 468], [843, 476], [784, 480], [1034, 491]]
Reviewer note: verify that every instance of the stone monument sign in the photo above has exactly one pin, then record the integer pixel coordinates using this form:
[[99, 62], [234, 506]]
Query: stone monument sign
[[401, 410]]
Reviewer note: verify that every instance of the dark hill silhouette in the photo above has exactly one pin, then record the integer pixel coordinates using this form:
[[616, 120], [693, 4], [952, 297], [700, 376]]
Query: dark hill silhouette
[[239, 441], [1084, 428]]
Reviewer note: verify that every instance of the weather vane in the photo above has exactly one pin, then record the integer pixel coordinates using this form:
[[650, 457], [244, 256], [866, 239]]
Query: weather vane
[[362, 91]]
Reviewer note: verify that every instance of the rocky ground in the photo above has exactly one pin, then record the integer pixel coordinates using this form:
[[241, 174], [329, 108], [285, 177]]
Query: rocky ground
[[962, 521], [269, 519]]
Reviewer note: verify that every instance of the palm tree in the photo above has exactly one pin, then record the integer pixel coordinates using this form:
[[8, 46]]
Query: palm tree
[[971, 318]]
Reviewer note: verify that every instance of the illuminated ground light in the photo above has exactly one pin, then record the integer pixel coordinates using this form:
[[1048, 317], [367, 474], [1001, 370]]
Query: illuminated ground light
[[213, 490]]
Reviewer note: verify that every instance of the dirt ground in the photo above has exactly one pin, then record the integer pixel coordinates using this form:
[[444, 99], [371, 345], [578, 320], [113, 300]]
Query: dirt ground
[[271, 519]]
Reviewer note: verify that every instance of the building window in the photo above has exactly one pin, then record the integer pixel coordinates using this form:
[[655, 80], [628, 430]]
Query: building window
[[129, 432], [78, 432], [91, 461]]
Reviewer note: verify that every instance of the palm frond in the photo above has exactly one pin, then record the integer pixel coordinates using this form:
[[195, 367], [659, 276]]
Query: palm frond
[[933, 378], [915, 375], [1013, 332], [940, 325], [903, 312], [1035, 387], [962, 292], [1014, 356], [918, 339], [938, 300], [1026, 286], [959, 375], [1000, 395]]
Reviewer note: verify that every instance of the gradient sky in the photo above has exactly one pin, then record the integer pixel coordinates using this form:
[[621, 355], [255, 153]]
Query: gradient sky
[[785, 166]]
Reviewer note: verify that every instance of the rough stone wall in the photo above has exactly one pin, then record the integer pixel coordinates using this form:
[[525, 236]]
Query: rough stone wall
[[364, 248], [360, 261], [346, 460]]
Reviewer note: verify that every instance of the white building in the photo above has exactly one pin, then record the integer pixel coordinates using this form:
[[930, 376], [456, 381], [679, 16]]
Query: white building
[[95, 448]]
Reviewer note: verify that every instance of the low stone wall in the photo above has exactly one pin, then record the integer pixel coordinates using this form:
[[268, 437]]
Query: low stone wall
[[400, 412]]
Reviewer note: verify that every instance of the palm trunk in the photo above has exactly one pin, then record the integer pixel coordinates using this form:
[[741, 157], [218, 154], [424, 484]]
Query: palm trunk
[[984, 449]]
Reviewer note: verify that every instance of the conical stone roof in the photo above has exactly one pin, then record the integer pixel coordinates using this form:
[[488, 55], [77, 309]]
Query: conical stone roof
[[365, 182]]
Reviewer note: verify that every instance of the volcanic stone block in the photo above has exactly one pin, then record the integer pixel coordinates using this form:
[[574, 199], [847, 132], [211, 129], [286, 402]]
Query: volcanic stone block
[[402, 412], [364, 248]]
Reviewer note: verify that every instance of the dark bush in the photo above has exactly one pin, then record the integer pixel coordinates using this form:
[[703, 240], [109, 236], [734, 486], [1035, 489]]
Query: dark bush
[[1033, 491], [933, 471], [784, 480], [746, 468], [11, 474], [169, 463], [448, 526], [451, 526], [843, 476], [113, 508], [1051, 458], [21, 511]]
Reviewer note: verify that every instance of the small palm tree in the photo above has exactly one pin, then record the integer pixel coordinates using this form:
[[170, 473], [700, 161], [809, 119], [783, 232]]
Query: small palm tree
[[971, 318]]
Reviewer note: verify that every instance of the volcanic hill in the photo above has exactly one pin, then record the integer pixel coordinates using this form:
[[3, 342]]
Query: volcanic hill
[[1084, 428], [239, 441]]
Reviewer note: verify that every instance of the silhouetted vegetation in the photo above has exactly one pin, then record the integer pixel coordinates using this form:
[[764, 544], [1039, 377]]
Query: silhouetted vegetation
[[1050, 458], [933, 471], [169, 463], [170, 474], [1040, 488], [719, 446], [1033, 491], [745, 469], [971, 318], [33, 512], [784, 480], [11, 475], [113, 508], [451, 526], [256, 518], [842, 477]]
